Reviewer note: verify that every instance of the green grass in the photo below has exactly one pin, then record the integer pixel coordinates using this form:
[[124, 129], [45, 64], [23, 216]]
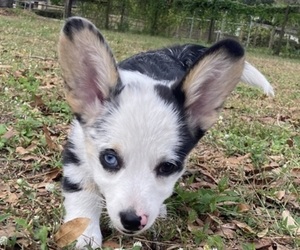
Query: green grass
[[240, 178]]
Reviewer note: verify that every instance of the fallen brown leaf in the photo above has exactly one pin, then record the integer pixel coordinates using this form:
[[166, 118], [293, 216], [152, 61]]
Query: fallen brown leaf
[[21, 151], [264, 244], [242, 208], [290, 222], [52, 175], [110, 244], [37, 101], [280, 194], [281, 247], [226, 233], [9, 134], [263, 233], [30, 158], [70, 231], [50, 143], [12, 198], [243, 226]]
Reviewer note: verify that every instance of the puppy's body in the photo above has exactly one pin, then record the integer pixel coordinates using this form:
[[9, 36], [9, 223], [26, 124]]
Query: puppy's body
[[137, 121]]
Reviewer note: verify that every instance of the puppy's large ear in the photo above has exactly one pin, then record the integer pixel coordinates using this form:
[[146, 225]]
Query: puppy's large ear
[[209, 82], [88, 67]]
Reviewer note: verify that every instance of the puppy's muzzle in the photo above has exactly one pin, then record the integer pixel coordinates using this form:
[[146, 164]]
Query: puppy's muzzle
[[132, 222]]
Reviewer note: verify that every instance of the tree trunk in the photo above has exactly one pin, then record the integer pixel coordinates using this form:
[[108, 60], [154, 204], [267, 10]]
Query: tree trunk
[[211, 30], [272, 37], [249, 32], [6, 3], [255, 35], [68, 8], [154, 20], [212, 22], [281, 35], [123, 8], [107, 14]]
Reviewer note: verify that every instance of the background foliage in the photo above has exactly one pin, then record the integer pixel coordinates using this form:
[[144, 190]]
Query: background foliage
[[265, 23]]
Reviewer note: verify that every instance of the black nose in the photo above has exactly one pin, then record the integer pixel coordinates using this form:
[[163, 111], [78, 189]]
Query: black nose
[[130, 220]]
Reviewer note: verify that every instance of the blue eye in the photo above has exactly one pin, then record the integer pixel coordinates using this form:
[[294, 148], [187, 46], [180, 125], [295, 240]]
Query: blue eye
[[110, 160]]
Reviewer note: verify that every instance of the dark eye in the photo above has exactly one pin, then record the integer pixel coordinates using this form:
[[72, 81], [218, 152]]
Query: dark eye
[[110, 160], [167, 168]]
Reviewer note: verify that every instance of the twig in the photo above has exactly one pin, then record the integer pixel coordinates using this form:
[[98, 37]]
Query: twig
[[42, 58]]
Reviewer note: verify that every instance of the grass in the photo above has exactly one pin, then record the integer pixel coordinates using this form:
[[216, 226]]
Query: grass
[[241, 178]]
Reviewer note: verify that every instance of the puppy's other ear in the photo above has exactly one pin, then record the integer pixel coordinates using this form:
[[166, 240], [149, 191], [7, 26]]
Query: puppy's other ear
[[88, 67], [208, 83]]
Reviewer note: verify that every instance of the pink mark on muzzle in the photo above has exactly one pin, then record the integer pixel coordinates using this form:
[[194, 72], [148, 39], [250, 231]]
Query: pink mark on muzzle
[[144, 220]]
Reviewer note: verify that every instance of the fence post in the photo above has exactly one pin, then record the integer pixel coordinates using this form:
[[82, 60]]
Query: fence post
[[249, 32], [192, 26]]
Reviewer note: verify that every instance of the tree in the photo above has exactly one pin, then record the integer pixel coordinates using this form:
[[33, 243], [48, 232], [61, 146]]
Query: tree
[[284, 23], [6, 3], [68, 8]]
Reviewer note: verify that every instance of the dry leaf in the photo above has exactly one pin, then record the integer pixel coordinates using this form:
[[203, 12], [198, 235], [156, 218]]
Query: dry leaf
[[290, 222], [280, 194], [9, 134], [50, 143], [263, 233], [12, 198], [226, 233], [243, 226], [37, 102], [280, 247], [110, 244], [242, 208], [24, 151], [21, 151], [52, 175], [264, 244], [30, 158], [193, 228], [70, 231]]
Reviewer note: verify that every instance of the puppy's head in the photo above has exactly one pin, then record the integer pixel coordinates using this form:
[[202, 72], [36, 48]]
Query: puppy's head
[[138, 131]]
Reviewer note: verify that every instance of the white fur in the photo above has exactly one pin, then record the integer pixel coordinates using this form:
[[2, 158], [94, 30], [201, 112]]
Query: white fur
[[128, 76], [136, 185]]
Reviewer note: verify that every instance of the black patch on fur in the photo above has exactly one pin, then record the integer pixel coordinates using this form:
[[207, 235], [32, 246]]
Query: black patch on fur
[[78, 117], [165, 93], [69, 157], [69, 186], [179, 93], [188, 138], [232, 47], [118, 89], [165, 64], [72, 25]]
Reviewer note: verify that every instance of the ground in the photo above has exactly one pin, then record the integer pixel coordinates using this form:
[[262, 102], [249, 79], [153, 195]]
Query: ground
[[242, 185]]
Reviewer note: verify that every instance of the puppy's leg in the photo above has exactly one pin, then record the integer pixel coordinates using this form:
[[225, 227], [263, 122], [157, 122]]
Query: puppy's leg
[[85, 204]]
